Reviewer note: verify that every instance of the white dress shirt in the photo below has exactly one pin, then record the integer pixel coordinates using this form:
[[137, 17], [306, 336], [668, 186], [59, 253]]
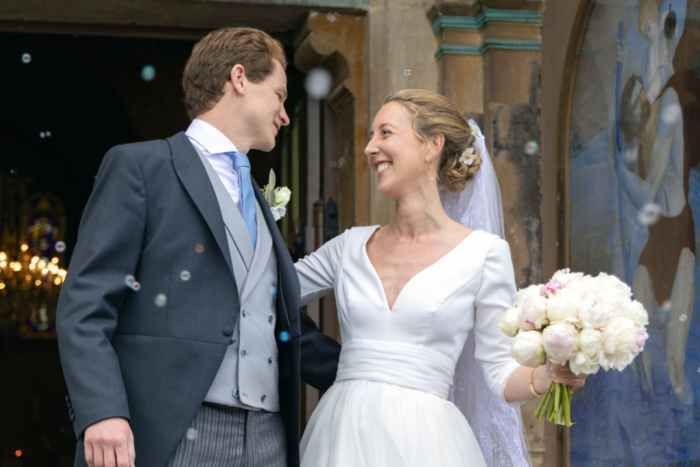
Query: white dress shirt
[[213, 145]]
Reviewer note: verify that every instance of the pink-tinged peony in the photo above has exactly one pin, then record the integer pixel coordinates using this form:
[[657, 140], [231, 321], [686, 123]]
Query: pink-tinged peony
[[527, 349], [551, 287], [510, 322], [533, 314], [620, 343], [560, 341], [562, 305], [586, 360]]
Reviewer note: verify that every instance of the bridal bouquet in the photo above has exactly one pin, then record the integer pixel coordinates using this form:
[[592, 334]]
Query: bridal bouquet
[[590, 322]]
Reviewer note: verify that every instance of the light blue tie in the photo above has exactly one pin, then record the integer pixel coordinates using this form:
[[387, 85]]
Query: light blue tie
[[242, 165]]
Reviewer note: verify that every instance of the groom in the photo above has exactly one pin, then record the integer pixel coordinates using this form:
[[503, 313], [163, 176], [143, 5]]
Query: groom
[[178, 323]]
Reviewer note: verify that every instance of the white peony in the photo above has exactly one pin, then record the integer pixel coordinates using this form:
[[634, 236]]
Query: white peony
[[594, 311], [523, 294], [566, 277], [510, 322], [560, 341], [533, 314], [621, 343], [613, 284], [586, 360], [527, 349], [636, 312], [562, 305]]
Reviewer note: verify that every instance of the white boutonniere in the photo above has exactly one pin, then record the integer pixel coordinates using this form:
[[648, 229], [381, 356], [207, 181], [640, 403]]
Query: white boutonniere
[[277, 198], [468, 157]]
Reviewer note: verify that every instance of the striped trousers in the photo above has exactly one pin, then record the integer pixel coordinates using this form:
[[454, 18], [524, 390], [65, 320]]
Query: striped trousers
[[222, 436]]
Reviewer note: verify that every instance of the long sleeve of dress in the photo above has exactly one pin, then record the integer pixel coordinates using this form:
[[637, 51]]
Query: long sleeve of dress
[[494, 297], [317, 271]]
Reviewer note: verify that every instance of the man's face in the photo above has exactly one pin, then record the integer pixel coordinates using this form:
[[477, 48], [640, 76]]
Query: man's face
[[265, 112]]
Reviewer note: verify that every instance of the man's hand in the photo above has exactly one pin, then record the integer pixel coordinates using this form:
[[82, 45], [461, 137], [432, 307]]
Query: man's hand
[[110, 443]]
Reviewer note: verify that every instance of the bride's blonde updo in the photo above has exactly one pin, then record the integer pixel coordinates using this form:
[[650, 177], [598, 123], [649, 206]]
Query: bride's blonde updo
[[432, 114]]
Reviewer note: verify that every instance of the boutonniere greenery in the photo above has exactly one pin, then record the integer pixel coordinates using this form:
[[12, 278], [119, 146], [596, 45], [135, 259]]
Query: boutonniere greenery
[[277, 198]]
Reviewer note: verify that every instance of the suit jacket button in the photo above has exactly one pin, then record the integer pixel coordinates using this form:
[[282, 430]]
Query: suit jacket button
[[228, 330]]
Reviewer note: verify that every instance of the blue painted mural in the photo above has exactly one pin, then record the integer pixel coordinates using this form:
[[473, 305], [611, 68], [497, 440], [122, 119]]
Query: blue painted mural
[[634, 192]]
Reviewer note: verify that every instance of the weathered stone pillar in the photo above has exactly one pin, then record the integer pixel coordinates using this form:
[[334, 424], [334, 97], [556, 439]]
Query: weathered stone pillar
[[489, 63]]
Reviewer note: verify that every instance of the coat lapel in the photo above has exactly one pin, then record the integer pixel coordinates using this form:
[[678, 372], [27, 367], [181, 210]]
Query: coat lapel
[[194, 178]]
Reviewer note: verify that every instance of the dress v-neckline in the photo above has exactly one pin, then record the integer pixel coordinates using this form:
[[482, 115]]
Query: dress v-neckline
[[379, 280]]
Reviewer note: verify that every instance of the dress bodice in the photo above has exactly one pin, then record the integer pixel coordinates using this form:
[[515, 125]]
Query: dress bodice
[[418, 342]]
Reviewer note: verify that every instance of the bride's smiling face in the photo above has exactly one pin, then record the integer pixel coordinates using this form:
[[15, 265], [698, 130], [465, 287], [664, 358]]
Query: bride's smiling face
[[396, 155]]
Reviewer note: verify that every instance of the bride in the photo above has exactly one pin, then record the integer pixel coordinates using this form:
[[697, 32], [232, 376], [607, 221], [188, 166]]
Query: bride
[[408, 296]]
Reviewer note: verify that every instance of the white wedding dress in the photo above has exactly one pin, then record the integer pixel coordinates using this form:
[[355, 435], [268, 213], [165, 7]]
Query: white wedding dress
[[389, 404]]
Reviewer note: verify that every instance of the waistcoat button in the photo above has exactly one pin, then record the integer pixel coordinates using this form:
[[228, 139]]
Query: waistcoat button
[[262, 399], [235, 393], [228, 330], [270, 318], [243, 353], [269, 360], [244, 314]]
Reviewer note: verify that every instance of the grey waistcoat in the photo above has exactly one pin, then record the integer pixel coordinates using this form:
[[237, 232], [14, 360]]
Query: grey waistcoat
[[249, 374]]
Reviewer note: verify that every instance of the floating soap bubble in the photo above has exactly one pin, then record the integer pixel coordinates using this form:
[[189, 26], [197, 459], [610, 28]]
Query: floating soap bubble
[[161, 300], [42, 135], [532, 148], [60, 247], [649, 214], [26, 58], [130, 281], [666, 305], [273, 290], [671, 114], [199, 248], [136, 287], [631, 155], [48, 134], [318, 83], [185, 275], [191, 434], [284, 336], [683, 318], [407, 72], [148, 73]]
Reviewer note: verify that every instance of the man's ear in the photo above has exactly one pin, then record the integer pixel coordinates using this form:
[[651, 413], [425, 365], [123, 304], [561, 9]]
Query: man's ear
[[238, 80]]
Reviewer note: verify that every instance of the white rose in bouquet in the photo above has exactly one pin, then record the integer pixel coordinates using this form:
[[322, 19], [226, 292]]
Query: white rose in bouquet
[[523, 294], [510, 322], [560, 341], [527, 349], [594, 311], [533, 314], [562, 305], [586, 360], [636, 312], [623, 339]]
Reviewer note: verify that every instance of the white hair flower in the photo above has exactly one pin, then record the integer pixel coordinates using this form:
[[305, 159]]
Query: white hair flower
[[476, 132], [468, 157]]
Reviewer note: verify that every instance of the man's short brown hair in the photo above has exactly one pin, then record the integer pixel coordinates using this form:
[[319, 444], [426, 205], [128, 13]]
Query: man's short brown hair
[[212, 59]]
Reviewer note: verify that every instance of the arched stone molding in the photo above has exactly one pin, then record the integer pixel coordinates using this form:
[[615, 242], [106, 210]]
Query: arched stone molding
[[337, 43]]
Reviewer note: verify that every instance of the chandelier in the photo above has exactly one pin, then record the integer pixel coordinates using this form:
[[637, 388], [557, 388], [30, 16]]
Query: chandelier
[[29, 289]]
